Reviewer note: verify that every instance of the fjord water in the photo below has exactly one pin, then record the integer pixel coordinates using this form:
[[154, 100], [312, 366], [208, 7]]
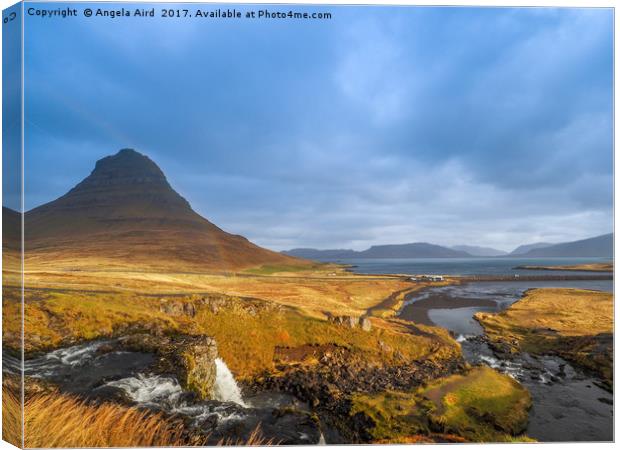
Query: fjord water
[[568, 405], [465, 266]]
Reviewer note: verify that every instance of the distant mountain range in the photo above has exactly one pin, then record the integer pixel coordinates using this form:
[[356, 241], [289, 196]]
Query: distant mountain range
[[596, 246], [414, 250], [479, 251], [600, 246], [125, 213]]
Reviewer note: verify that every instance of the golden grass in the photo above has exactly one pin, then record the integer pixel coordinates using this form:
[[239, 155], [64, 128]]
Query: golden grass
[[313, 291], [12, 414], [576, 324], [55, 420]]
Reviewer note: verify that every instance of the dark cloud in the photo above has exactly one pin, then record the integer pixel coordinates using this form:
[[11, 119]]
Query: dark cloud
[[452, 125]]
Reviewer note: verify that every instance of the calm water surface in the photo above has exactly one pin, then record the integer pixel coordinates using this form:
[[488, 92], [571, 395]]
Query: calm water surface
[[465, 266]]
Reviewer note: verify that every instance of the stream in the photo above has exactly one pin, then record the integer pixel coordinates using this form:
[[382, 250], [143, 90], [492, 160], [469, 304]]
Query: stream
[[124, 377], [568, 405]]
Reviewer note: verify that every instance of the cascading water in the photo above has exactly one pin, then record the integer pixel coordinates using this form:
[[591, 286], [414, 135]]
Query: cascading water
[[226, 388], [128, 376]]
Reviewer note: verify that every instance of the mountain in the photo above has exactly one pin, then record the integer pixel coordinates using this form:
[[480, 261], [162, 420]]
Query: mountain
[[415, 250], [479, 251], [523, 249], [311, 253], [596, 246], [11, 229], [125, 213]]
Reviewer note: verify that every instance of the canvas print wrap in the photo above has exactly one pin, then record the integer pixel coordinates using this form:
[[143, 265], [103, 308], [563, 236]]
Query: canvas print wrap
[[230, 224]]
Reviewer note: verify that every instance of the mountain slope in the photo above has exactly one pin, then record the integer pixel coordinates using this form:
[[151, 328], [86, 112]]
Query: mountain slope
[[126, 213], [523, 249], [475, 250], [596, 246]]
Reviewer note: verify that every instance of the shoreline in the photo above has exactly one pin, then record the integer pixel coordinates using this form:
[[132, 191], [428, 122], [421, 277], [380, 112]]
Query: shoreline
[[600, 268]]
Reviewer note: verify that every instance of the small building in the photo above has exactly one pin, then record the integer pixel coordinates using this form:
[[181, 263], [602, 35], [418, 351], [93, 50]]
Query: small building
[[418, 278]]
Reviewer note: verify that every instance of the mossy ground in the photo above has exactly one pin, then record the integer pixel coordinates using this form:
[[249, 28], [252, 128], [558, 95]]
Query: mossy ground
[[572, 323], [480, 406]]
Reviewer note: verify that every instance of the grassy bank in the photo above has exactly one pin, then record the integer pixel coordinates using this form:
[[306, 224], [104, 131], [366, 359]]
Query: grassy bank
[[594, 267], [479, 406], [574, 324]]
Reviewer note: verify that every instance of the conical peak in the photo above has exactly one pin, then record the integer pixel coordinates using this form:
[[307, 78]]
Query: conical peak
[[127, 163], [126, 178]]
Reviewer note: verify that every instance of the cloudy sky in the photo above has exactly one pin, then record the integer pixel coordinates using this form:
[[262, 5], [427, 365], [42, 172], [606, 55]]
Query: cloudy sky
[[381, 125]]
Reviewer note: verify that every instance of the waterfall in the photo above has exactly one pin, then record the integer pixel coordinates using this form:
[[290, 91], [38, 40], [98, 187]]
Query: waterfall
[[226, 388]]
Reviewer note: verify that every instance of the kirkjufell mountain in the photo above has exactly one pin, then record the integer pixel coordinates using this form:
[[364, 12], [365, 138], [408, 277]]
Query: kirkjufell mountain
[[126, 213]]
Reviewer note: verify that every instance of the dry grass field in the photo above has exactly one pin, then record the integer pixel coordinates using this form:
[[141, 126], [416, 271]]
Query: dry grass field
[[313, 291], [63, 308]]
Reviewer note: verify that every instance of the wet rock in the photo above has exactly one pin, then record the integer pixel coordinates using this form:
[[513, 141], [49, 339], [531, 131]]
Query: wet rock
[[190, 358], [105, 348], [110, 394], [197, 367]]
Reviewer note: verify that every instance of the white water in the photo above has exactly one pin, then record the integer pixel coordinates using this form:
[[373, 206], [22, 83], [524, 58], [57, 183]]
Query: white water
[[149, 389], [74, 355], [226, 388], [156, 389]]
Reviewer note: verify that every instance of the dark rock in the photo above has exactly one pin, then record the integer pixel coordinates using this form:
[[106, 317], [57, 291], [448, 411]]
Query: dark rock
[[190, 358]]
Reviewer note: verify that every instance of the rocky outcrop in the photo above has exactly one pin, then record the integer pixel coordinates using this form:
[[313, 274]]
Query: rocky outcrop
[[351, 321], [337, 373], [190, 358], [215, 304], [176, 308]]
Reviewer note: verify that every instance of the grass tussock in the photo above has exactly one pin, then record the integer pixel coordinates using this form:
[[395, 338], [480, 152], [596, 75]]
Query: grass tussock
[[572, 323]]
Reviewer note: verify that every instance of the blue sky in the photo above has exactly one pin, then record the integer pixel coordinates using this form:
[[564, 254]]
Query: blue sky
[[382, 125]]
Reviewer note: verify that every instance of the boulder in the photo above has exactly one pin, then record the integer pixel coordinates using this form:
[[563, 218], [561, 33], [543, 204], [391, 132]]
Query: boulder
[[191, 359], [198, 371]]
